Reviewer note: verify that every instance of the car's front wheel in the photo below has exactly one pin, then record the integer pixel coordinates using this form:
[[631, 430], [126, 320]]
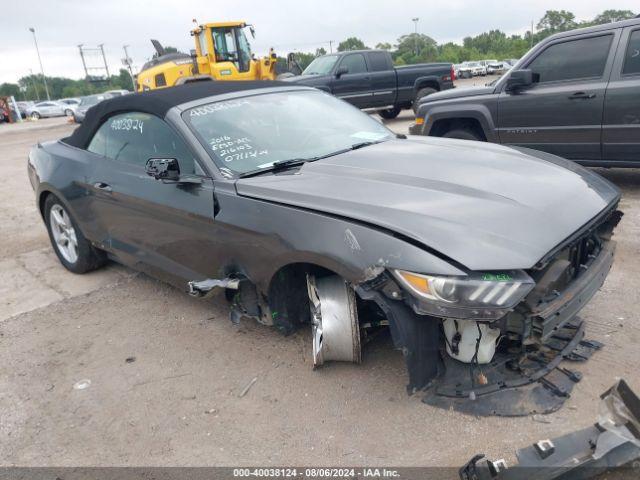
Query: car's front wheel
[[68, 113], [35, 116], [390, 113], [74, 251]]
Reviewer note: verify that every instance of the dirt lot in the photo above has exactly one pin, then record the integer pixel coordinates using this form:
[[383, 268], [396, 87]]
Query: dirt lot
[[166, 370]]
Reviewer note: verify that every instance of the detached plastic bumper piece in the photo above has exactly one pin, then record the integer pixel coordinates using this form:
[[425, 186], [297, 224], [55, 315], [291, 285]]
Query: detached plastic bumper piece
[[612, 443]]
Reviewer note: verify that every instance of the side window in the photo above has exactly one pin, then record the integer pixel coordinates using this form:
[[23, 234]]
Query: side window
[[355, 63], [582, 58], [136, 137], [632, 56], [379, 61], [98, 144], [202, 42]]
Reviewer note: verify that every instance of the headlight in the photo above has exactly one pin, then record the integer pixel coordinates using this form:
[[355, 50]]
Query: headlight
[[478, 296]]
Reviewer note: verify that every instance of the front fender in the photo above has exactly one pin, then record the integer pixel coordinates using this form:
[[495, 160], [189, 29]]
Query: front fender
[[480, 112], [266, 236]]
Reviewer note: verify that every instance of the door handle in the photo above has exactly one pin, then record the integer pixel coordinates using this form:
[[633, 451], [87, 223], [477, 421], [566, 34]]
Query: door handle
[[582, 96], [105, 187]]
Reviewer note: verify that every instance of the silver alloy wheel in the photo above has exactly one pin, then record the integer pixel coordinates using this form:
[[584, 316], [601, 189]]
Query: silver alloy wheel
[[64, 235]]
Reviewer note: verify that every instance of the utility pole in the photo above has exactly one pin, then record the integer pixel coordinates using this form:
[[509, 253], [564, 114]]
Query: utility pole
[[127, 61], [84, 64], [104, 58], [44, 79], [531, 33], [415, 22], [330, 46]]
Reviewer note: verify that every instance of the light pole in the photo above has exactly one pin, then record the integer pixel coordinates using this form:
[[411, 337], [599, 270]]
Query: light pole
[[415, 22], [44, 80], [127, 62]]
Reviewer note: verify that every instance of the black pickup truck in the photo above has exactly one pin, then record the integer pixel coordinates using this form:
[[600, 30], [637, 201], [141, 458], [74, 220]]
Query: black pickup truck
[[576, 94], [368, 80]]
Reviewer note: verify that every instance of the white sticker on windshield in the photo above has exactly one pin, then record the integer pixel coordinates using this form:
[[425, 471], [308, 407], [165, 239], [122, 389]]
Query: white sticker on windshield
[[127, 124], [369, 136], [245, 155], [216, 107], [232, 149]]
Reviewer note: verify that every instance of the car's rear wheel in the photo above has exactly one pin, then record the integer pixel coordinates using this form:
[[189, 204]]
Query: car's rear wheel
[[68, 112], [35, 115], [463, 134], [74, 251], [423, 92], [390, 113]]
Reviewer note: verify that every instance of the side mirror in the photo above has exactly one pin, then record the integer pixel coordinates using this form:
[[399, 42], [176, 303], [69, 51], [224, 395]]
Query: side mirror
[[341, 71], [519, 78], [163, 169]]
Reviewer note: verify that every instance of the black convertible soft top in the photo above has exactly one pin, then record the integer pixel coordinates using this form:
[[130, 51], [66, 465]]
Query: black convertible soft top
[[157, 102]]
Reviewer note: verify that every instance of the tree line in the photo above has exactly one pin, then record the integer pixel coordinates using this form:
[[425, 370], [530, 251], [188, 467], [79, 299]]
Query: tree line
[[494, 44], [31, 87], [409, 49]]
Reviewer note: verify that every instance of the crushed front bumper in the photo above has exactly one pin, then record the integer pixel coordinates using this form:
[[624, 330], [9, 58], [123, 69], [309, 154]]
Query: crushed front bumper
[[523, 377], [550, 316]]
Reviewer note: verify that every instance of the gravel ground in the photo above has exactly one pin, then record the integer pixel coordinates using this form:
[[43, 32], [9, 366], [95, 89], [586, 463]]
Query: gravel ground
[[166, 371]]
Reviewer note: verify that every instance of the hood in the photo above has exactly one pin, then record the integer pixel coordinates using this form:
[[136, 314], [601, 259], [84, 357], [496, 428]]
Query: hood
[[458, 93], [485, 206]]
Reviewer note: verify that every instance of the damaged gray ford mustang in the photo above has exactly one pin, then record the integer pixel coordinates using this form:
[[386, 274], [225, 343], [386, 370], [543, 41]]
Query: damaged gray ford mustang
[[476, 257]]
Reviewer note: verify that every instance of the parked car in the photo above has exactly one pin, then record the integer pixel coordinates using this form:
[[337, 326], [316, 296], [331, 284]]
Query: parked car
[[311, 214], [24, 107], [477, 69], [496, 67], [70, 104], [46, 109], [464, 70], [486, 63], [117, 93], [368, 80], [575, 94], [86, 103]]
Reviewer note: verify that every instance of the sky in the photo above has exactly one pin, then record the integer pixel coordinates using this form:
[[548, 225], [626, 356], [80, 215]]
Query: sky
[[286, 25]]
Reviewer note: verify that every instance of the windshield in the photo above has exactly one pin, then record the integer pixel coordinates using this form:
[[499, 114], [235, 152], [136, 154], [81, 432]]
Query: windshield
[[252, 133], [321, 65], [473, 64]]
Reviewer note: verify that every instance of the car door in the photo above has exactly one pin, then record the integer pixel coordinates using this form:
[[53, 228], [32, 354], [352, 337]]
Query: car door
[[355, 85], [383, 79], [621, 121], [165, 229], [44, 109], [561, 113]]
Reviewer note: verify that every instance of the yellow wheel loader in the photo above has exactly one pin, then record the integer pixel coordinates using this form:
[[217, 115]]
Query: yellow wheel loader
[[221, 52]]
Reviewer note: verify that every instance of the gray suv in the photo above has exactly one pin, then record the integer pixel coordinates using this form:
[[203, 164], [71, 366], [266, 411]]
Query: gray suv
[[575, 94]]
